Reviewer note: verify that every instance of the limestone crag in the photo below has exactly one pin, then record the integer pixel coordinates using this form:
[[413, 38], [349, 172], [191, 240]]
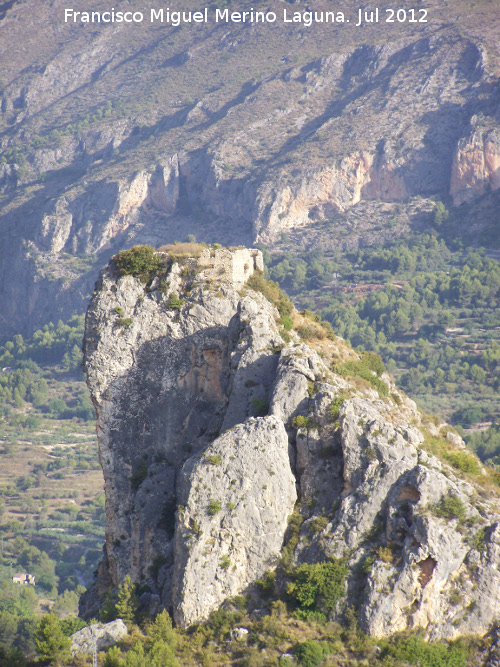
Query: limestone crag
[[86, 222], [213, 430], [387, 489]]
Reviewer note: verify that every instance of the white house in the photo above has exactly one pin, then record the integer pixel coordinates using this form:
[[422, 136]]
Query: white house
[[23, 578]]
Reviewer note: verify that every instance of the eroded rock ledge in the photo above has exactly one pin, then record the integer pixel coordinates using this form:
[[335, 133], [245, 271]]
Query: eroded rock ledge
[[213, 431]]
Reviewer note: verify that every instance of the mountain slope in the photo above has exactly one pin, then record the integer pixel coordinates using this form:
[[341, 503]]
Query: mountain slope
[[119, 134]]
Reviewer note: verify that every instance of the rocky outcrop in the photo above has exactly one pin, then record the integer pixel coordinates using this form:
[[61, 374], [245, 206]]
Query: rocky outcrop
[[98, 635], [421, 566], [323, 194], [164, 186], [235, 501], [88, 222], [212, 432]]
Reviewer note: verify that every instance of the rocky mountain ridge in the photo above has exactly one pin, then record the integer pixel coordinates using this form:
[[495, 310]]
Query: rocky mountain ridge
[[327, 135], [218, 424]]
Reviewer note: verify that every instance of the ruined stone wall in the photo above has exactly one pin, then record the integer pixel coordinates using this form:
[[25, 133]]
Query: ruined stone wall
[[235, 266]]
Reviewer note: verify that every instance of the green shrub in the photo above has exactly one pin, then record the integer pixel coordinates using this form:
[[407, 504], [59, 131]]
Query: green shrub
[[369, 367], [285, 336], [318, 524], [451, 507], [292, 536], [336, 404], [373, 362], [124, 322], [220, 622], [318, 586], [141, 261], [175, 302], [311, 616], [320, 329], [126, 604], [267, 583], [195, 527], [286, 322], [396, 398], [367, 564], [272, 292], [309, 315], [414, 650], [478, 541], [441, 213], [51, 643], [214, 459], [308, 423], [214, 507], [385, 554], [463, 461], [225, 562], [57, 407], [328, 329], [311, 653], [310, 331], [113, 657]]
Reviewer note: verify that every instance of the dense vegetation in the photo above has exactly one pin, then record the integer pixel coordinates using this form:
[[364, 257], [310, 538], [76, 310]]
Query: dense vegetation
[[266, 629], [270, 628], [22, 379], [429, 309]]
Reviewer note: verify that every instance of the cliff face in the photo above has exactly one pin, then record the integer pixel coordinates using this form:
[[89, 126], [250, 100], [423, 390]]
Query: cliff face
[[212, 431], [476, 165]]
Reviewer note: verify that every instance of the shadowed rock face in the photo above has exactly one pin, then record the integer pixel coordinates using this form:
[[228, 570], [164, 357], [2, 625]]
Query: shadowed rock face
[[204, 462]]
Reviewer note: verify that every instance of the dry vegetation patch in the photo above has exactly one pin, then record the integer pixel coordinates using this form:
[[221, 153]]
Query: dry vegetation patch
[[183, 250]]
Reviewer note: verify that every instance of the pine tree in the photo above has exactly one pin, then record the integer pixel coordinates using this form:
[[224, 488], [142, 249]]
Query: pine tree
[[161, 630], [51, 643], [113, 658], [126, 606]]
